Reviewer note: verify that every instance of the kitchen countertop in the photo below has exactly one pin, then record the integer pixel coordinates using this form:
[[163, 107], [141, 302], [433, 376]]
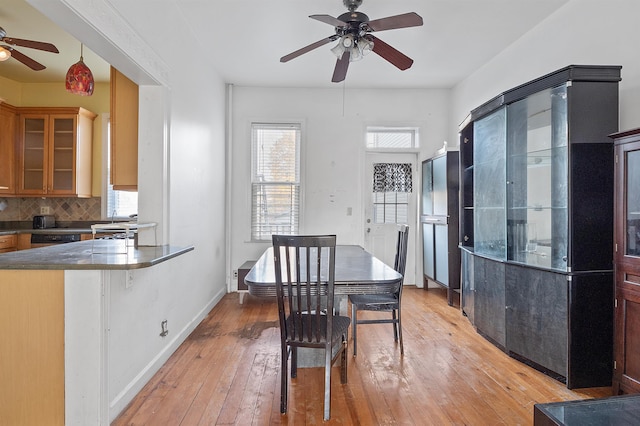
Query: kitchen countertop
[[91, 255]]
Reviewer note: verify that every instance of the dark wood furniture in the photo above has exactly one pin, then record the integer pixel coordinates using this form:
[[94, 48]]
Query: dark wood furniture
[[305, 278], [626, 372], [439, 222], [389, 302], [537, 222]]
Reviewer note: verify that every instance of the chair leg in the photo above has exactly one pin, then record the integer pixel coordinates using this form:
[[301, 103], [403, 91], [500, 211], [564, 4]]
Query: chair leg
[[343, 359], [354, 321], [327, 382], [400, 332], [395, 325], [283, 379], [294, 362]]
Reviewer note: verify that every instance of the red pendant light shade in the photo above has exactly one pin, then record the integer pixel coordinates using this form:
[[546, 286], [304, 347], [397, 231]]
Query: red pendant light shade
[[79, 79]]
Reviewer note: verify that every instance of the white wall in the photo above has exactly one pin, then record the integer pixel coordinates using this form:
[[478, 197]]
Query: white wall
[[583, 32], [181, 184], [333, 151]]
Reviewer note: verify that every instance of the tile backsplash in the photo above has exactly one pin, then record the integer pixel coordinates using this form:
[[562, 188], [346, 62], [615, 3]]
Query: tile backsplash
[[64, 209]]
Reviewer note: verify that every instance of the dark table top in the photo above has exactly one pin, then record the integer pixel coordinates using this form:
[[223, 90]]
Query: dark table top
[[615, 410], [357, 272]]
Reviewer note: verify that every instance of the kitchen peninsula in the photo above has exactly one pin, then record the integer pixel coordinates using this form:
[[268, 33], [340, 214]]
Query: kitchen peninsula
[[57, 305]]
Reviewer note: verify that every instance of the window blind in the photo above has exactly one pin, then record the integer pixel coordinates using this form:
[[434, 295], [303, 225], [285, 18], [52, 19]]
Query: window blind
[[275, 179]]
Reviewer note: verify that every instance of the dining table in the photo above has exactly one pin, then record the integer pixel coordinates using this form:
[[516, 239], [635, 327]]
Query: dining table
[[356, 272]]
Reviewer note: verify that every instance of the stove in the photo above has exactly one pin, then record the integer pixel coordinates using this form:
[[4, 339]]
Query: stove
[[40, 240]]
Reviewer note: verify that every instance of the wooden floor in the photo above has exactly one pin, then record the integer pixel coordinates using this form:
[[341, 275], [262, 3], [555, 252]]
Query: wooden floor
[[227, 373]]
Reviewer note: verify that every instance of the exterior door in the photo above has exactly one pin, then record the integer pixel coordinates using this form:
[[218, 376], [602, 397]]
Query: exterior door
[[385, 210]]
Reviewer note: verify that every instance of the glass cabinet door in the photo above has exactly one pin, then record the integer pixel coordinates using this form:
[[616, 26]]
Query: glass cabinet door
[[33, 154], [537, 180], [427, 187], [62, 154], [632, 195], [489, 184]]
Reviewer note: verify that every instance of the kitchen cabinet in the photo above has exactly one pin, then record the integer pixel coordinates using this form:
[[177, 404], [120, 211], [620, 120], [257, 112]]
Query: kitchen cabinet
[[439, 222], [8, 243], [7, 149], [626, 372], [54, 152], [24, 241], [537, 222], [124, 132]]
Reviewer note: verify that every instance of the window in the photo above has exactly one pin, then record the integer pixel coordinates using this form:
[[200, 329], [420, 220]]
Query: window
[[392, 138], [392, 183], [275, 179], [119, 204]]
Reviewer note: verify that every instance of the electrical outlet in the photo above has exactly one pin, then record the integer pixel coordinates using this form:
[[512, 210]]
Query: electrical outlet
[[235, 274], [45, 210]]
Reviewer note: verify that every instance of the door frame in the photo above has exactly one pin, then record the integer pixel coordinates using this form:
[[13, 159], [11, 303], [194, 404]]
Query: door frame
[[413, 250]]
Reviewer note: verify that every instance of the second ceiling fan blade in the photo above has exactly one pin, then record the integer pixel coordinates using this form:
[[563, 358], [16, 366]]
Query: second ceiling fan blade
[[308, 48], [40, 45], [34, 65], [390, 54], [340, 71], [328, 19], [405, 20]]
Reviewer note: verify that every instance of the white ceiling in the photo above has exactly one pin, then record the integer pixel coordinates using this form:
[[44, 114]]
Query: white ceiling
[[245, 39]]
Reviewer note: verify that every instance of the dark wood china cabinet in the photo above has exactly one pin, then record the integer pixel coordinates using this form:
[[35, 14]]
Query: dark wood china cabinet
[[626, 368]]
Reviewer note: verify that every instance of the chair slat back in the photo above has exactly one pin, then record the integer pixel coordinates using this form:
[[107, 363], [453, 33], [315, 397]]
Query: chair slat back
[[400, 262], [305, 277]]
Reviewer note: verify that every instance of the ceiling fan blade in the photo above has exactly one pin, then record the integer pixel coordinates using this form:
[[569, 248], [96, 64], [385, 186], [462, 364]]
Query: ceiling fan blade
[[340, 71], [390, 54], [40, 45], [405, 20], [308, 48], [327, 19], [34, 65]]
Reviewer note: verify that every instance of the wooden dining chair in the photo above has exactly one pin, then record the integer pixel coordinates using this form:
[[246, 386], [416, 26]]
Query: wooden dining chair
[[305, 276], [391, 302]]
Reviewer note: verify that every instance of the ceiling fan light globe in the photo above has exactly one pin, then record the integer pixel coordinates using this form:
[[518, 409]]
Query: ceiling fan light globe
[[338, 50], [4, 54], [347, 41], [356, 54], [366, 46]]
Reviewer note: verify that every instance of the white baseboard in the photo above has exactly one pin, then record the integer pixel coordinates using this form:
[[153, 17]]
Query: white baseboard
[[129, 392]]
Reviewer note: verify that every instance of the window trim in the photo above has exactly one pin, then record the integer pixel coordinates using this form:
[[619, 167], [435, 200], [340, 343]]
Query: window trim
[[393, 129]]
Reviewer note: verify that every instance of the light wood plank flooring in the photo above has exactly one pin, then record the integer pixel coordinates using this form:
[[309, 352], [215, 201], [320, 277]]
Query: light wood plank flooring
[[227, 373]]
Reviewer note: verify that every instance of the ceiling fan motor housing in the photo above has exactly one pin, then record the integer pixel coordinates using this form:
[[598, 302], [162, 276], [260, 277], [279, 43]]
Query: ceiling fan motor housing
[[356, 24]]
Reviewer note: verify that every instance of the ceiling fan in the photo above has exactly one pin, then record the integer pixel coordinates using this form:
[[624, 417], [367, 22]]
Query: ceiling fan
[[353, 30], [31, 63]]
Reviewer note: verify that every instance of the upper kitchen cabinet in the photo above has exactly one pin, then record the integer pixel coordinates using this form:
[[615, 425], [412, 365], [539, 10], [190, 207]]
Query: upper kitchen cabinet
[[124, 132], [54, 152], [7, 149]]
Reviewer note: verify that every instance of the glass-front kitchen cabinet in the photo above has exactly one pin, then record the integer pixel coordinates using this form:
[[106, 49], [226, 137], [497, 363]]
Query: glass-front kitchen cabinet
[[537, 218], [54, 155]]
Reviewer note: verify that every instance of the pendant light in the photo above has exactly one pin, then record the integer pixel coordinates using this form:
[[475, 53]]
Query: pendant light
[[79, 80]]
